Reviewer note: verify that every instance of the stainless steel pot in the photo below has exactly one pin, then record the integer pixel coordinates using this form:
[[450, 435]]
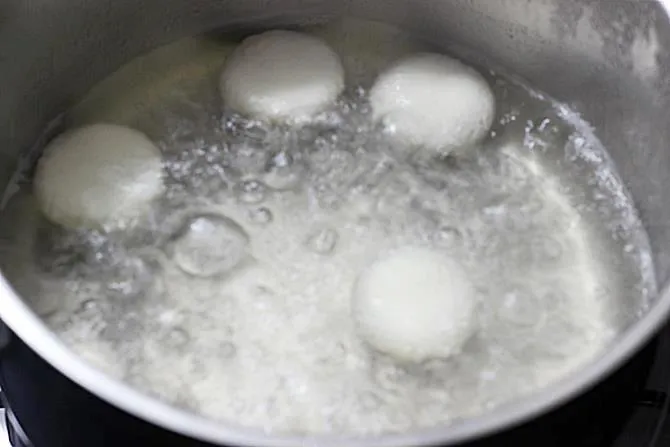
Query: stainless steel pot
[[610, 60]]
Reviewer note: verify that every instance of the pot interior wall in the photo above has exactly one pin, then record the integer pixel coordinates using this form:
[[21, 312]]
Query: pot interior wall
[[606, 59]]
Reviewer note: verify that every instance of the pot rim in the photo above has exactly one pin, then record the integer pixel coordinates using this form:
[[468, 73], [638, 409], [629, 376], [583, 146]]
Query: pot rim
[[32, 331]]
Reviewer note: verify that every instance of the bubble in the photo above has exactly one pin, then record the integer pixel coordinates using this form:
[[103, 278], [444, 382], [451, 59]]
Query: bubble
[[327, 124], [87, 307], [542, 133], [92, 312], [509, 117], [243, 129], [368, 182], [323, 240], [284, 172], [249, 158], [210, 245], [131, 277], [250, 191], [389, 377], [335, 162], [321, 152], [261, 216], [575, 147], [200, 170], [448, 236]]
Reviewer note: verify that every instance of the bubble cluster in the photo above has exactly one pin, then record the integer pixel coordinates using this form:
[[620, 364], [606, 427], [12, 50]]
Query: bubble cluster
[[322, 241]]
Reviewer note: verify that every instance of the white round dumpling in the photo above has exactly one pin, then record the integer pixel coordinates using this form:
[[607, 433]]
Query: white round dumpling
[[282, 75], [415, 304], [434, 102], [99, 175]]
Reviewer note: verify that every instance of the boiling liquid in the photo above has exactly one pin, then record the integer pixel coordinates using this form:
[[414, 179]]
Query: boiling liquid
[[232, 298]]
